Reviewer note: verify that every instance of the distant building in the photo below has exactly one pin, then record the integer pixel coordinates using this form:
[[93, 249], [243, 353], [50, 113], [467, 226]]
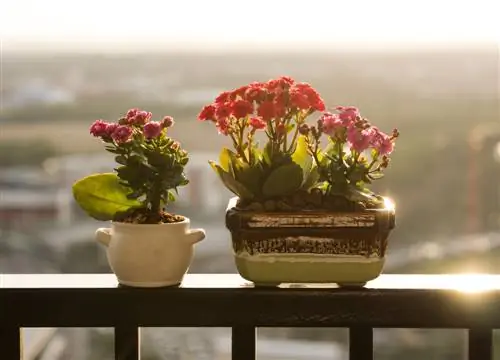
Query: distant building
[[38, 92]]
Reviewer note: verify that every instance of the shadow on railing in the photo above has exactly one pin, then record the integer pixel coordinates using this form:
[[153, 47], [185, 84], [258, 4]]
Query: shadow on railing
[[391, 301]]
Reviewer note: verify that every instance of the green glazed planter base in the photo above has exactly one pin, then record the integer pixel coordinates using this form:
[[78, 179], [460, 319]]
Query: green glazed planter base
[[346, 248], [272, 270]]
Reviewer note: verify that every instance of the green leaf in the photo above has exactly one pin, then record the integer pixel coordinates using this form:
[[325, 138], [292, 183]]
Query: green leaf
[[120, 159], [248, 175], [329, 149], [355, 194], [225, 159], [268, 155], [113, 150], [312, 179], [301, 156], [283, 180], [102, 196], [376, 175], [171, 197], [231, 184], [256, 154]]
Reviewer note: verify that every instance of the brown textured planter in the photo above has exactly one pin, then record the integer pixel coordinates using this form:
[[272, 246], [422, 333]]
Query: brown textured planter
[[311, 246]]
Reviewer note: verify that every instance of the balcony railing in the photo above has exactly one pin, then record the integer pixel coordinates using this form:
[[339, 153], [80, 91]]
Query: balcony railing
[[469, 302]]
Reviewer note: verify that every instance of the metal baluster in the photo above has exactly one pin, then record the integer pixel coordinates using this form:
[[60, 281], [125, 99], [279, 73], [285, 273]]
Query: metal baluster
[[480, 344], [243, 343], [127, 343], [360, 343]]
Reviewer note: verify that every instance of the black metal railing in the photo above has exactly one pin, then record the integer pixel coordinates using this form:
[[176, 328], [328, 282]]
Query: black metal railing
[[391, 301]]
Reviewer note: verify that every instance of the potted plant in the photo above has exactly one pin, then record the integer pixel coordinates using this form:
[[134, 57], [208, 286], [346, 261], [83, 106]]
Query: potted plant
[[146, 246], [302, 213]]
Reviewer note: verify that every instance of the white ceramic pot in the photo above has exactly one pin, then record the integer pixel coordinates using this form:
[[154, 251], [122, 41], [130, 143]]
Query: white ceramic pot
[[143, 255]]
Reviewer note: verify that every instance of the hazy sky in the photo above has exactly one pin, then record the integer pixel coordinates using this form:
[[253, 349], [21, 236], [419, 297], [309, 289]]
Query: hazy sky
[[219, 22]]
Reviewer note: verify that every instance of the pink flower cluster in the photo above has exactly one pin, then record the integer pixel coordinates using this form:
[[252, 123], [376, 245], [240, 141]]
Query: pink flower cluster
[[260, 103], [347, 126], [135, 120]]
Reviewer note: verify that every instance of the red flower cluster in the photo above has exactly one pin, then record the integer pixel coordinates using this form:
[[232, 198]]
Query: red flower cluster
[[260, 103]]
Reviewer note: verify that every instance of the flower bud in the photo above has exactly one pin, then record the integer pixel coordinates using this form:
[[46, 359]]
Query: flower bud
[[167, 122], [304, 129]]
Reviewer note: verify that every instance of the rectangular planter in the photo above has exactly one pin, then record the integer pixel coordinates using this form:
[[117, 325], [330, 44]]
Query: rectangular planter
[[346, 248]]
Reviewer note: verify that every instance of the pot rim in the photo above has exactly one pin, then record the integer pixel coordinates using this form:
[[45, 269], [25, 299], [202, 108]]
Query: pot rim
[[388, 209], [186, 221]]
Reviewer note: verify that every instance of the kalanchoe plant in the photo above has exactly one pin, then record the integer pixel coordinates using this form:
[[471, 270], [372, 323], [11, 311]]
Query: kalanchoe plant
[[356, 154], [150, 167], [277, 108]]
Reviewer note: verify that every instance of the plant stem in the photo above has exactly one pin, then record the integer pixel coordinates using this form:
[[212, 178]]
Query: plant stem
[[296, 133], [155, 198]]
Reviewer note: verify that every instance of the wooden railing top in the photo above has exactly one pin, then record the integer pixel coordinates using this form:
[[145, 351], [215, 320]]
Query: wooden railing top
[[225, 300], [466, 283]]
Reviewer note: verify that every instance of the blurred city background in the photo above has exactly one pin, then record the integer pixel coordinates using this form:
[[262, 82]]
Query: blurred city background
[[429, 68]]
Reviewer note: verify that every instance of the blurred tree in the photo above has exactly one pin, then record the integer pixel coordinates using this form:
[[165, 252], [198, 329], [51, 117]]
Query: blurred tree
[[25, 153]]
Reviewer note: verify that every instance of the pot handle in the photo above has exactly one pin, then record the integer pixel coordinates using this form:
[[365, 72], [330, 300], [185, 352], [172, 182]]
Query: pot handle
[[195, 235], [103, 235]]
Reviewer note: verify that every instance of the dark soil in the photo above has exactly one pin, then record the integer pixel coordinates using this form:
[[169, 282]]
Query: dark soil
[[312, 201], [143, 216]]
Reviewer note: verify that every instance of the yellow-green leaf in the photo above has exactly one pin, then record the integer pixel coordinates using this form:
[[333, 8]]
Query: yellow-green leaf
[[302, 157], [231, 183], [225, 159], [102, 196]]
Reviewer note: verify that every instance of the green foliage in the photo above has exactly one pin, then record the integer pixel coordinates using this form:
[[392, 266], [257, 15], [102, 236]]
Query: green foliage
[[283, 180], [150, 169], [102, 196], [272, 173]]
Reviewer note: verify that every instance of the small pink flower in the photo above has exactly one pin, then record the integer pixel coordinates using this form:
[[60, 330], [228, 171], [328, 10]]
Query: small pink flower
[[381, 142], [348, 114], [167, 122], [257, 123], [152, 130], [98, 128], [110, 129], [386, 146], [331, 123], [359, 139], [140, 118], [131, 113], [122, 134]]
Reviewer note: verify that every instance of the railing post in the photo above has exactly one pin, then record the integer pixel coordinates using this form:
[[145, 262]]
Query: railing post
[[127, 343], [243, 343], [360, 343], [11, 342], [480, 344]]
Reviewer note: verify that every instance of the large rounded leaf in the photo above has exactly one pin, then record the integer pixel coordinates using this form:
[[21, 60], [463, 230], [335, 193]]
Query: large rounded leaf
[[102, 196], [283, 180]]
